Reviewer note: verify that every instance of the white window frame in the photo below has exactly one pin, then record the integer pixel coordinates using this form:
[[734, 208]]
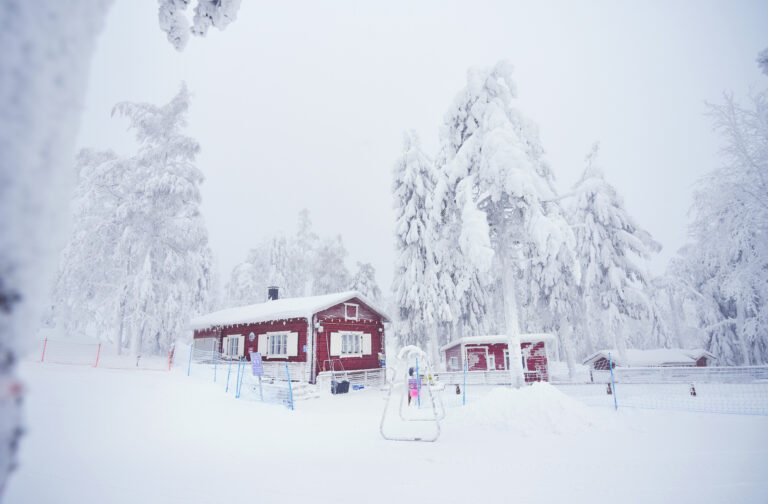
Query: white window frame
[[282, 346], [357, 311], [506, 359], [232, 347], [351, 344], [454, 362], [490, 362]]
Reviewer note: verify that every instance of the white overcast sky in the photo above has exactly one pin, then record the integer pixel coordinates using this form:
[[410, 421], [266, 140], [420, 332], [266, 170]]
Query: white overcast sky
[[303, 104]]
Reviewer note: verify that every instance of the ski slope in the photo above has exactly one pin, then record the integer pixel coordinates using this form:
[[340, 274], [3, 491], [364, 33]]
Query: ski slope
[[121, 436]]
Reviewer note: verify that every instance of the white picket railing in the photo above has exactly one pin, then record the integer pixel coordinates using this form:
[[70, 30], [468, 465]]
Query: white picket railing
[[360, 377], [720, 374]]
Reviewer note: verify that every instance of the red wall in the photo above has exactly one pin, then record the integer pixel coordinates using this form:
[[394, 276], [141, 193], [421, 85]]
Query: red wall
[[332, 320], [298, 325], [536, 364], [454, 351]]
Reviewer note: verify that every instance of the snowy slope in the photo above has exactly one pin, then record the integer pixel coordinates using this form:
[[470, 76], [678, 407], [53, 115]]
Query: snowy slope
[[126, 437]]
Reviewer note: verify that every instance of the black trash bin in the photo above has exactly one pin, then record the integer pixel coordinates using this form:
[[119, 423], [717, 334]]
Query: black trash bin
[[341, 387]]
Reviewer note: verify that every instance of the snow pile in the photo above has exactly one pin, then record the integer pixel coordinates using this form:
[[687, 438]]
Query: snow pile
[[536, 409]]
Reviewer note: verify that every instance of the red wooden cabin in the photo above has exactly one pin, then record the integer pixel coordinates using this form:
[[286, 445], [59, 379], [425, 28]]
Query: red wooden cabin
[[309, 333], [489, 353]]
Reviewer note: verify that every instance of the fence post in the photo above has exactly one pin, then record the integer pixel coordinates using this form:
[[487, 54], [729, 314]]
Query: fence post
[[290, 389], [418, 384], [237, 383], [242, 375], [191, 349], [45, 344], [464, 390], [613, 385], [215, 362], [229, 372], [98, 353]]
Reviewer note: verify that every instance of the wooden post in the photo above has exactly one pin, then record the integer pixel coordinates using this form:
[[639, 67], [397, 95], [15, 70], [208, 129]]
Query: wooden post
[[45, 344]]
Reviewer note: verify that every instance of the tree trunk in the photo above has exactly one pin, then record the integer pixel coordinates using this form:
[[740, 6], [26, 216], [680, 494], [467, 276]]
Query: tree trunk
[[740, 325], [511, 323], [47, 48]]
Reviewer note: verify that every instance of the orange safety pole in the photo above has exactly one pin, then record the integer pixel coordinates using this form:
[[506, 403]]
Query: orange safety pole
[[169, 360], [45, 343], [97, 356]]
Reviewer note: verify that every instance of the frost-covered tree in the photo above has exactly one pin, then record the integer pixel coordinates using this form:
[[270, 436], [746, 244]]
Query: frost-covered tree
[[173, 18], [415, 285], [300, 265], [503, 190], [47, 47], [609, 244], [138, 263], [330, 273], [364, 282], [304, 249], [728, 262], [762, 60]]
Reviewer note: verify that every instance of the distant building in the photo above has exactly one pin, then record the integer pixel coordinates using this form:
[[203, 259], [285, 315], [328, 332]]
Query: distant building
[[660, 357], [310, 334], [490, 353]]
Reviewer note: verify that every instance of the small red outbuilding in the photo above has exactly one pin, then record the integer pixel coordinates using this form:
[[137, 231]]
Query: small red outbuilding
[[490, 353], [310, 334]]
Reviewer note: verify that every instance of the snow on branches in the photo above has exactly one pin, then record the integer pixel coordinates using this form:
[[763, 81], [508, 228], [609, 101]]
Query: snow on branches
[[137, 265], [173, 19]]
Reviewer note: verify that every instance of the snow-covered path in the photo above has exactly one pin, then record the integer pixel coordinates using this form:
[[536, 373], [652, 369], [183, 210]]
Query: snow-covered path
[[98, 435]]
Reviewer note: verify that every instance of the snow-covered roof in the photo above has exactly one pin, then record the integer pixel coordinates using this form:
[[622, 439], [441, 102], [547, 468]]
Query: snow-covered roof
[[655, 357], [498, 338], [279, 309]]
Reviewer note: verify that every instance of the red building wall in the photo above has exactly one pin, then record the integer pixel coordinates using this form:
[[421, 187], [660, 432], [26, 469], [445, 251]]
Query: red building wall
[[536, 362], [454, 351], [333, 320], [297, 325]]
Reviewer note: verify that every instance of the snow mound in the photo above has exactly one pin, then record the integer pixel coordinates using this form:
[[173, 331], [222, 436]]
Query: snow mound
[[539, 408]]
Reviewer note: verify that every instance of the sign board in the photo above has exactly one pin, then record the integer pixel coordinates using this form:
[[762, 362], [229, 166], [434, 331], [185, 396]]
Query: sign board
[[256, 364]]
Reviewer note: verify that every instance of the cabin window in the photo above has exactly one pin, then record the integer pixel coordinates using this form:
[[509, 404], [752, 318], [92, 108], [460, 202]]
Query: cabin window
[[350, 344], [233, 345], [350, 311], [506, 359], [232, 349], [278, 344], [454, 362]]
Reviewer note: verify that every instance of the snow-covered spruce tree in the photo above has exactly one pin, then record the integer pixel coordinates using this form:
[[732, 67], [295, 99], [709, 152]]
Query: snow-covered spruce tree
[[304, 248], [462, 283], [502, 189], [329, 270], [608, 245], [364, 282], [139, 219], [730, 254], [415, 285], [173, 19], [47, 47]]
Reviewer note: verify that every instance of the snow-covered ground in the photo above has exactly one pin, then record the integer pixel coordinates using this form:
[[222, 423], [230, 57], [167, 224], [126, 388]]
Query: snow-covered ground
[[104, 435]]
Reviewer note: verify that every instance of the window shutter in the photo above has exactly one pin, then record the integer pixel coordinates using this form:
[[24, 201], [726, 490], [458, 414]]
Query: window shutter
[[241, 345], [293, 343], [223, 348], [335, 343], [262, 346], [366, 344]]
